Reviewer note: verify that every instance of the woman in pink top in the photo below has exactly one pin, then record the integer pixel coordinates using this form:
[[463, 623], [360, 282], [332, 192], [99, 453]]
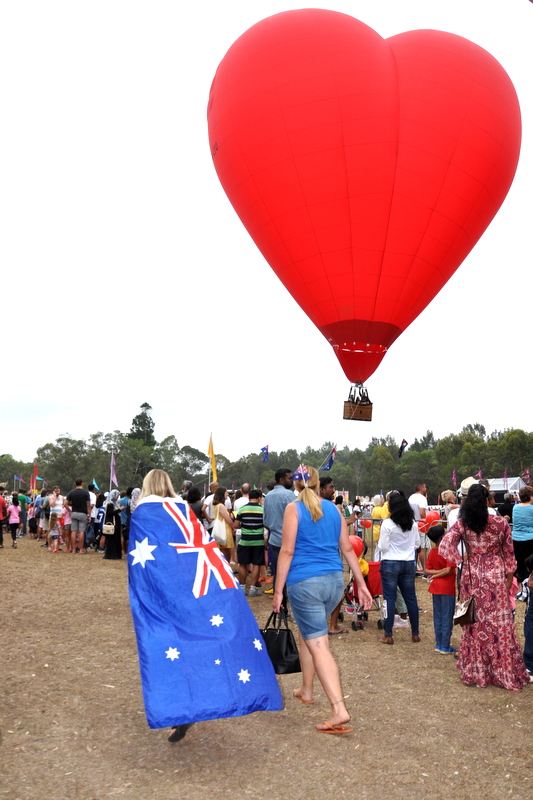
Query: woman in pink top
[[13, 517]]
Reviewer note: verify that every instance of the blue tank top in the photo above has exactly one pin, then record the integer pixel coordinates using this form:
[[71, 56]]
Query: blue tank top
[[316, 550]]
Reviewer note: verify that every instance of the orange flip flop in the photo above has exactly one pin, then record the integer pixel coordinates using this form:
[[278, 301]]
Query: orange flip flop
[[298, 696], [336, 729]]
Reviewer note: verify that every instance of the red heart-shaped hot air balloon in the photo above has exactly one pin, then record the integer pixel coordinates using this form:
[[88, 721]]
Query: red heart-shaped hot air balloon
[[365, 169]]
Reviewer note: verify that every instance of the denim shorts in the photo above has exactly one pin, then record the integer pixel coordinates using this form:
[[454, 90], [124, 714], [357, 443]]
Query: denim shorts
[[313, 600]]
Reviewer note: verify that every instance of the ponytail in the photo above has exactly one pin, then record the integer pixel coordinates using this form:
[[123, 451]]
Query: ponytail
[[308, 494]]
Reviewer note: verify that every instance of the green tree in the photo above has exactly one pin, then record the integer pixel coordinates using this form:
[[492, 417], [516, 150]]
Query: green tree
[[167, 457], [419, 466], [427, 442], [63, 461], [515, 449], [142, 427], [134, 460], [9, 467], [381, 470]]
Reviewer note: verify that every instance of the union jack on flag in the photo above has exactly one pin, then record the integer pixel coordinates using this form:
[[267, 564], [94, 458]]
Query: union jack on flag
[[210, 560], [301, 474]]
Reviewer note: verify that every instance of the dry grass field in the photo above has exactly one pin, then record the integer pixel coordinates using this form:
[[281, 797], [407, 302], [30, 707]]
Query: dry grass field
[[72, 725]]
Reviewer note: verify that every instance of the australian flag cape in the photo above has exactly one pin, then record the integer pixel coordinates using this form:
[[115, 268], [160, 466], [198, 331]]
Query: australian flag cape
[[201, 654]]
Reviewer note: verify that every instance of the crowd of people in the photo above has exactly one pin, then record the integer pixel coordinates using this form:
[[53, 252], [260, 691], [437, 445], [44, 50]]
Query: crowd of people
[[82, 520], [290, 542]]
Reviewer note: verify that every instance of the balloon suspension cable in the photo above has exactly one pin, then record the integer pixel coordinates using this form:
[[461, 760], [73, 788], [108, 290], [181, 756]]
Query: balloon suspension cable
[[358, 394]]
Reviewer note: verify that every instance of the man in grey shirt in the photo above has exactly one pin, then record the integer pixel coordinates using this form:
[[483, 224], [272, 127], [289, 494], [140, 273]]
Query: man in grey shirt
[[274, 506]]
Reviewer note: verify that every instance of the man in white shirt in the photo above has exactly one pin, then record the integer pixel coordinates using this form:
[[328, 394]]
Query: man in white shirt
[[242, 501], [419, 504], [418, 501]]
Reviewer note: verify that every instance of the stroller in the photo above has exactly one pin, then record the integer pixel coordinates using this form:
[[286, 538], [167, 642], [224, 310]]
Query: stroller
[[373, 582]]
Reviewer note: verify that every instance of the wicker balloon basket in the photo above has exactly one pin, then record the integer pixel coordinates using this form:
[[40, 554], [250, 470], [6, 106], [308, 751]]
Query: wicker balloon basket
[[355, 410]]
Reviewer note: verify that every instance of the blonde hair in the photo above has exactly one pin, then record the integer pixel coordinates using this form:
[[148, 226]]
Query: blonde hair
[[448, 496], [309, 495], [157, 482]]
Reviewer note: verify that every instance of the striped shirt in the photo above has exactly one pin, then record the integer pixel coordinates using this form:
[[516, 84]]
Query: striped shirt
[[251, 518]]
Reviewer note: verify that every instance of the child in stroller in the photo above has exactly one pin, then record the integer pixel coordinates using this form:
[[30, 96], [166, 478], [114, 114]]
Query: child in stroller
[[371, 574]]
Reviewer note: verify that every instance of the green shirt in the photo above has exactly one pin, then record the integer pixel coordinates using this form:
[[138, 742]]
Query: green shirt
[[252, 531]]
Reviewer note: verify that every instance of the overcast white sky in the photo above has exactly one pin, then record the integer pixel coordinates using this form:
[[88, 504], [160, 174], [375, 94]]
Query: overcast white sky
[[127, 276]]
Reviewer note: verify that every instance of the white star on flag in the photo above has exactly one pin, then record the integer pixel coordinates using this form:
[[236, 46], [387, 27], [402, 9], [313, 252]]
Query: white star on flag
[[217, 661], [244, 675], [216, 620], [257, 644], [172, 653], [142, 552]]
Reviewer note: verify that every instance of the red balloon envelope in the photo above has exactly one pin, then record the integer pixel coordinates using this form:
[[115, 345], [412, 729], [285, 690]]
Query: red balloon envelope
[[365, 169]]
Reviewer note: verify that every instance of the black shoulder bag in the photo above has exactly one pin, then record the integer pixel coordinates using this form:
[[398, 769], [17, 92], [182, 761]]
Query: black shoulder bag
[[281, 645]]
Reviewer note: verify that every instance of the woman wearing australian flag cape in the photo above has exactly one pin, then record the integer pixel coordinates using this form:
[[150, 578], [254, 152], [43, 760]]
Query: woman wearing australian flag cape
[[201, 655]]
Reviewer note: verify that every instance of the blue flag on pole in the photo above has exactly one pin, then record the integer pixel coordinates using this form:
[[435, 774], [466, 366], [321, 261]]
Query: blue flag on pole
[[264, 450], [201, 653], [402, 448], [331, 459]]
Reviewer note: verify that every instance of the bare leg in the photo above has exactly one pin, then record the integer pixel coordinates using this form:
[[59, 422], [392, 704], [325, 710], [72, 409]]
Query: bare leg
[[255, 575], [305, 692], [333, 620], [243, 571], [328, 675]]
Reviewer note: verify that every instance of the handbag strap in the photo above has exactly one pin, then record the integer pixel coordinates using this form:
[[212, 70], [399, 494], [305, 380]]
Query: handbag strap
[[463, 539], [277, 618]]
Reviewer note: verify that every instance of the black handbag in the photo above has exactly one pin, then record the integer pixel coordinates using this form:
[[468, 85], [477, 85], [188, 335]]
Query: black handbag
[[281, 645]]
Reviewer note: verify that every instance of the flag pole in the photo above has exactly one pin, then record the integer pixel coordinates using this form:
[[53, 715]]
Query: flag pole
[[110, 479]]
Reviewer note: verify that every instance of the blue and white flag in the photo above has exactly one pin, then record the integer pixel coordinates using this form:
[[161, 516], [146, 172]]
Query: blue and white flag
[[331, 459], [264, 450], [201, 654]]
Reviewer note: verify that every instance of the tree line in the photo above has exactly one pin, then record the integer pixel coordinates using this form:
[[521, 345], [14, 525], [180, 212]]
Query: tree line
[[360, 472]]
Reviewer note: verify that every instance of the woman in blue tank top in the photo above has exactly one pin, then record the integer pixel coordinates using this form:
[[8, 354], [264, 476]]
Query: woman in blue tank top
[[310, 565]]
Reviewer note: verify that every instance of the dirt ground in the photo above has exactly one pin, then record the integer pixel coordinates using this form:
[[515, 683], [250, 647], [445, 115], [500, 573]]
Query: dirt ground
[[72, 724]]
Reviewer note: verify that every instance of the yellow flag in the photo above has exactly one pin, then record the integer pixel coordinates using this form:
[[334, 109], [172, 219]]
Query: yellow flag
[[211, 454]]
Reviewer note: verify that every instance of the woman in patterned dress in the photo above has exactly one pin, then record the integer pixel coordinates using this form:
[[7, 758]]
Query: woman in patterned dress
[[489, 654]]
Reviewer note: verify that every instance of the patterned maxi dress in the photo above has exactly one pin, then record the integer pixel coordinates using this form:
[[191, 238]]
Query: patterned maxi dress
[[489, 654]]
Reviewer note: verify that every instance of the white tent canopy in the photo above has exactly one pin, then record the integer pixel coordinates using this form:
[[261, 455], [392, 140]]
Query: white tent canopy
[[506, 484]]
